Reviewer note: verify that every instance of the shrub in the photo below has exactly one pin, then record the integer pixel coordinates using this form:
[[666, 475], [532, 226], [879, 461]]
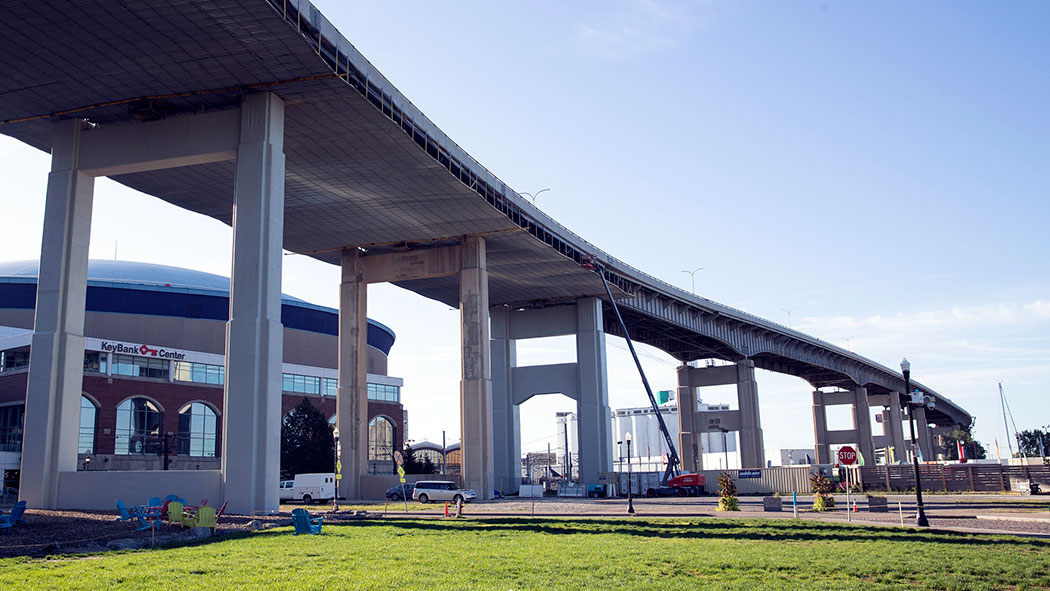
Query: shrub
[[822, 499], [727, 493]]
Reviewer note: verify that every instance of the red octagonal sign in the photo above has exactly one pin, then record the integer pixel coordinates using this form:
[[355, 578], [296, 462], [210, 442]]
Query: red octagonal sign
[[847, 455]]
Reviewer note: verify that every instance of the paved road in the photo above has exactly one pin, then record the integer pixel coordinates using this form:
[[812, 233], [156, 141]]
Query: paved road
[[1005, 514]]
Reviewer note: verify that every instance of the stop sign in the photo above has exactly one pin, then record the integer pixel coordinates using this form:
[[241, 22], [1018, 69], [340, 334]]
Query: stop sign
[[847, 455]]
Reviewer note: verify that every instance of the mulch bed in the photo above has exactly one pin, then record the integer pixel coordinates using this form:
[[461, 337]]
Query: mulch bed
[[52, 532]]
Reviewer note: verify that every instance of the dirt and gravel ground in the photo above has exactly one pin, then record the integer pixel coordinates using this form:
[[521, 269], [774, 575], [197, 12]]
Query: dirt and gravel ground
[[50, 532]]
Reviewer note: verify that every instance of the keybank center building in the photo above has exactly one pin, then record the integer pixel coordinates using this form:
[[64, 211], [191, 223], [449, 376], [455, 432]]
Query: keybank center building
[[154, 368]]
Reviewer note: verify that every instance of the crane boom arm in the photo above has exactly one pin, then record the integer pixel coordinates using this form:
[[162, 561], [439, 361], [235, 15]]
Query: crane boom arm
[[672, 457]]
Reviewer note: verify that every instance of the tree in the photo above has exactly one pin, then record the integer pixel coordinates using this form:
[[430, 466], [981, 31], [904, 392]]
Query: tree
[[307, 444], [1030, 439], [974, 449]]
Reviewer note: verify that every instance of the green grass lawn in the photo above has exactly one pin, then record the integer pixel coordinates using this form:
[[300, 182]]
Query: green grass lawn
[[524, 553]]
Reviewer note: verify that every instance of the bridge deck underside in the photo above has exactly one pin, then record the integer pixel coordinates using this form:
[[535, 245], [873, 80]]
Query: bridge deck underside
[[364, 167]]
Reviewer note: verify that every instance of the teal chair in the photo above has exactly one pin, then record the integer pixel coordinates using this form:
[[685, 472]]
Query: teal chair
[[304, 524], [125, 513]]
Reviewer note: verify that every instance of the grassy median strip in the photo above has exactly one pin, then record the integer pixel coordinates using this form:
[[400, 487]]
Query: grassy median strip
[[524, 553]]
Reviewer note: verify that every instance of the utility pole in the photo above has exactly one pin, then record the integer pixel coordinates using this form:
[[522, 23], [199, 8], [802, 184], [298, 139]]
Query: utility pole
[[568, 468]]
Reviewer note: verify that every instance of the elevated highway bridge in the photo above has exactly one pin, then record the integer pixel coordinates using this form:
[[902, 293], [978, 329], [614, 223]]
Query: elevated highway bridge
[[261, 107]]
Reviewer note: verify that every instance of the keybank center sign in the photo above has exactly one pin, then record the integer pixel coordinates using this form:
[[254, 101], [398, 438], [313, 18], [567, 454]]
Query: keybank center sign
[[140, 349]]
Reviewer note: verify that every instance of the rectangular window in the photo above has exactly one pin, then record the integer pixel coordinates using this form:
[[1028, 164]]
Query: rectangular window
[[94, 362], [143, 367], [384, 393], [201, 373], [10, 360], [303, 384], [330, 386], [12, 418]]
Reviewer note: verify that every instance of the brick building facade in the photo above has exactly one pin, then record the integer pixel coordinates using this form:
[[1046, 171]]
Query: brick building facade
[[154, 368]]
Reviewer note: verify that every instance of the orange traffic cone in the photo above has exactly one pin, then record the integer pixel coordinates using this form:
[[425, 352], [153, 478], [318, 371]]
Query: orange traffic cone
[[446, 511], [854, 505]]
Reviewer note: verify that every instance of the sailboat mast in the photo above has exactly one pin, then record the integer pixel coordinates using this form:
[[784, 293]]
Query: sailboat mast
[[1002, 401], [1017, 434]]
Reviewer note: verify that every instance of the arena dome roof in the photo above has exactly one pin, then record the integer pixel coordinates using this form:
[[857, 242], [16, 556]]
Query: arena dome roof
[[174, 288]]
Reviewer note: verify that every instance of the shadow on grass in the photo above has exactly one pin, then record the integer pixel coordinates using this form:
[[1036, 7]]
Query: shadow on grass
[[707, 529]]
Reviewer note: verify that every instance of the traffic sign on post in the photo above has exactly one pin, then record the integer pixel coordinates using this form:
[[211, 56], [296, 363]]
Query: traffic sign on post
[[847, 455]]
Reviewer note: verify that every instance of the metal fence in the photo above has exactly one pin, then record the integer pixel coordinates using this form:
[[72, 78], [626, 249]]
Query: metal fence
[[955, 477]]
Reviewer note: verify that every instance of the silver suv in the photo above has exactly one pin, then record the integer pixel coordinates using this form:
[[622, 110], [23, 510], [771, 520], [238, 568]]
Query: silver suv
[[441, 490]]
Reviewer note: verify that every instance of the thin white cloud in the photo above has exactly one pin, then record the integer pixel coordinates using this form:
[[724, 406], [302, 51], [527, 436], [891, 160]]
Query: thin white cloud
[[958, 316], [631, 28]]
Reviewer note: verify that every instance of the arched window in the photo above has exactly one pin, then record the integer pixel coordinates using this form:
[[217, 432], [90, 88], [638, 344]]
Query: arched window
[[380, 439], [197, 430], [88, 416], [138, 427]]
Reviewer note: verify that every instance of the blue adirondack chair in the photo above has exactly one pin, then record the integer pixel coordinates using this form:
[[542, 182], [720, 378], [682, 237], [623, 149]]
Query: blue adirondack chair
[[304, 524], [125, 514], [18, 513], [14, 517]]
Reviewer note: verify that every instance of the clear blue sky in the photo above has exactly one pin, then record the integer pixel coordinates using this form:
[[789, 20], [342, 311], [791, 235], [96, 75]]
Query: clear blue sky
[[880, 168]]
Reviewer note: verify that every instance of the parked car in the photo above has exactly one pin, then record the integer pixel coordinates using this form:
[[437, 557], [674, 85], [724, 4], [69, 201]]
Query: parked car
[[401, 491], [441, 490]]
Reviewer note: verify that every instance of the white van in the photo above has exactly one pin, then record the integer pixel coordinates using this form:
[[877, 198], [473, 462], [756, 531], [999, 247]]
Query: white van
[[308, 488]]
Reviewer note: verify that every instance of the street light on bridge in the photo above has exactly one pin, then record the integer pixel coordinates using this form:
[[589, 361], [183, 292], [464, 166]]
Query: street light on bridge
[[789, 311], [533, 196], [692, 277]]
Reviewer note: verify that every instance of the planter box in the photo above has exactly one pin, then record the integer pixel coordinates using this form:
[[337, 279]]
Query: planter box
[[877, 504], [772, 504]]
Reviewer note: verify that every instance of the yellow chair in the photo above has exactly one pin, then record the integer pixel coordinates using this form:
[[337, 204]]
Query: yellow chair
[[175, 513], [205, 517]]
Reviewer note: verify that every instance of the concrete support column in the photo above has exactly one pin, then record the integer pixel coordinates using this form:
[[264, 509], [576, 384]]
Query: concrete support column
[[476, 385], [505, 414], [922, 431], [862, 424], [689, 442], [56, 365], [254, 335], [896, 428], [352, 397], [592, 407], [752, 450], [822, 447]]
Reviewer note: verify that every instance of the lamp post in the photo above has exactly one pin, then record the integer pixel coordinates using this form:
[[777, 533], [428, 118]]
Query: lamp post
[[725, 448], [338, 469], [920, 515], [534, 196], [692, 277], [789, 311], [630, 494]]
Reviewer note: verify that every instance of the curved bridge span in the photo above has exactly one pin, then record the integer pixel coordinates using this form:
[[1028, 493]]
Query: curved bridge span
[[209, 104]]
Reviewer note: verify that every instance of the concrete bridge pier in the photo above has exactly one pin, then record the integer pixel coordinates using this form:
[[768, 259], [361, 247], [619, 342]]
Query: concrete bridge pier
[[746, 420], [860, 435], [253, 137], [468, 261], [585, 381]]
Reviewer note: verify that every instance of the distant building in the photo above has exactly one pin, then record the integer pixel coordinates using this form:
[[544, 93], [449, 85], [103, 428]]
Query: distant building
[[648, 447], [790, 457]]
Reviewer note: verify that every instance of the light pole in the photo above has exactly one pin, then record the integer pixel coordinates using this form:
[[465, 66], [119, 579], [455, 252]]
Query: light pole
[[535, 195], [338, 469], [920, 514], [692, 277], [630, 494], [789, 311], [725, 448]]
